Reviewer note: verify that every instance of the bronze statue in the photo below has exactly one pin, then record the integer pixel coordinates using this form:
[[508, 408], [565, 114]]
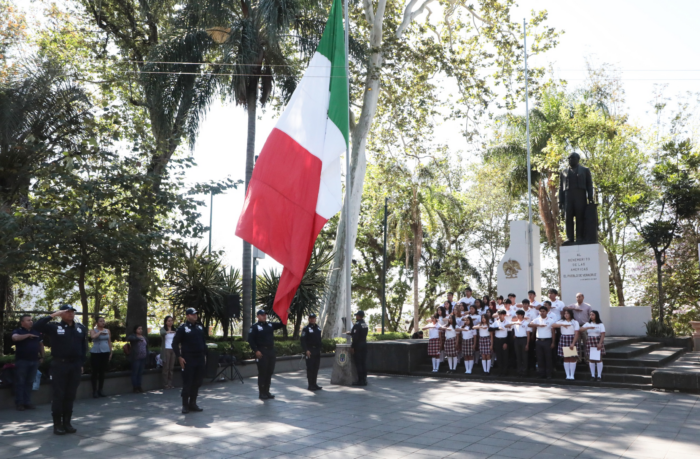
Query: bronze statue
[[576, 203]]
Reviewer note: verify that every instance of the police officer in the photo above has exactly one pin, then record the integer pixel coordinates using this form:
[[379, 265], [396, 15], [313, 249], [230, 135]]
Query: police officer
[[262, 342], [189, 346], [69, 350], [359, 347], [311, 345]]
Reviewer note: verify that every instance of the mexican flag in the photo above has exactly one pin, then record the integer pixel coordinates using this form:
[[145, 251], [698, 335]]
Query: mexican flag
[[296, 187]]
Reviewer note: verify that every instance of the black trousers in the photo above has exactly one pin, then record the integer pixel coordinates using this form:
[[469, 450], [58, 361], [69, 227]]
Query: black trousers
[[521, 355], [65, 378], [575, 207], [192, 374], [99, 363], [360, 357], [266, 368], [313, 363], [544, 357], [501, 355]]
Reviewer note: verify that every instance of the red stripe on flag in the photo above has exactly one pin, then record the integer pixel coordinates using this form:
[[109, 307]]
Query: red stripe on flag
[[279, 212]]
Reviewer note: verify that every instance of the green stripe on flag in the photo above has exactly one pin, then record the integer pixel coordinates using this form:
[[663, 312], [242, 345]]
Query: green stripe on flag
[[332, 46]]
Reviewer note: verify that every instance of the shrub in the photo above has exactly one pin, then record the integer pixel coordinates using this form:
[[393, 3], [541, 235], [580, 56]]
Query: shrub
[[388, 336], [659, 329]]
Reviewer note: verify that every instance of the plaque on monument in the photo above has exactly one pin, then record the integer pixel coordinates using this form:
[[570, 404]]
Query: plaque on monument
[[344, 371], [584, 269]]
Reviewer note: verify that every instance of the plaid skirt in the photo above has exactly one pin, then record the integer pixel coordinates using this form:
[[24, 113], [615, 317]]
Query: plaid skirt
[[566, 341], [468, 347], [434, 347], [451, 347], [593, 341], [485, 345]]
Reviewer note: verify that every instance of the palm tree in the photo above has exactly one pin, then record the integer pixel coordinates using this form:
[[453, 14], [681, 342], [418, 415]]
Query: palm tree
[[309, 296], [43, 117], [253, 47]]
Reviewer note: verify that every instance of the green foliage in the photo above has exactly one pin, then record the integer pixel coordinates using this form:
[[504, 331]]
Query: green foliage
[[388, 336], [659, 329]]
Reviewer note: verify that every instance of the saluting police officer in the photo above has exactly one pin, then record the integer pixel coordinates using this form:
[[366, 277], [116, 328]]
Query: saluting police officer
[[69, 350], [262, 342], [359, 347], [311, 345], [189, 346]]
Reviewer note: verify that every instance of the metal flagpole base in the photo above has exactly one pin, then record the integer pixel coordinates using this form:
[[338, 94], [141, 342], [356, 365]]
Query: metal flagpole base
[[344, 371]]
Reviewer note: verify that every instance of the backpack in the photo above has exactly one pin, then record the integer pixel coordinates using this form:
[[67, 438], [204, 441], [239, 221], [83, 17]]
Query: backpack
[[127, 349]]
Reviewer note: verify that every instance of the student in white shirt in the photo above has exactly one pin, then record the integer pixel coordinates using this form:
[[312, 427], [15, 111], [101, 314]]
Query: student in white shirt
[[441, 321], [508, 308], [499, 302], [500, 344], [569, 328], [480, 307], [468, 343], [451, 343], [543, 342], [485, 342], [532, 296], [557, 305], [521, 331], [596, 336], [530, 312], [450, 298], [433, 342], [468, 298]]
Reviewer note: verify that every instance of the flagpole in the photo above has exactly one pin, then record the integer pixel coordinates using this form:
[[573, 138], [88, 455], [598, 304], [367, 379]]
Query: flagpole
[[348, 182], [531, 273]]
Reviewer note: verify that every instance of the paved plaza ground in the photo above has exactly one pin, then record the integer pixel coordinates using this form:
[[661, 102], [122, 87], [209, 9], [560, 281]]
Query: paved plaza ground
[[393, 417]]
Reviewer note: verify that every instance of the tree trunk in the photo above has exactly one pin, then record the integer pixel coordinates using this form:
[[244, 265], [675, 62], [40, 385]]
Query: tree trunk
[[5, 283], [98, 299], [417, 245], [660, 285], [332, 322], [616, 278], [83, 296], [137, 309], [247, 275], [297, 325]]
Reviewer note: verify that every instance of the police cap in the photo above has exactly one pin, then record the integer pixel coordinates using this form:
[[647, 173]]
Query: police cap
[[261, 312], [67, 307], [360, 313], [190, 311], [312, 316]]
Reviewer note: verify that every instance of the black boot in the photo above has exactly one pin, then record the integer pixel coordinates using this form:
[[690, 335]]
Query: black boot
[[66, 422], [263, 394], [267, 392], [58, 424], [185, 405], [193, 404]]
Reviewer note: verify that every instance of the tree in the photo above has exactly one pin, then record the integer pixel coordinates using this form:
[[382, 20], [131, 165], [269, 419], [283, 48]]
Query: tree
[[674, 199], [457, 49]]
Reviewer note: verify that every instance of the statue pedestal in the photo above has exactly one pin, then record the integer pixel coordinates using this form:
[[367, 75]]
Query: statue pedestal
[[513, 271], [584, 269], [344, 371]]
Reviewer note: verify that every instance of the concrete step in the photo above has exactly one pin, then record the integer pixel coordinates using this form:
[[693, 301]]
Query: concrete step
[[656, 358], [628, 351], [613, 369], [556, 380], [612, 342]]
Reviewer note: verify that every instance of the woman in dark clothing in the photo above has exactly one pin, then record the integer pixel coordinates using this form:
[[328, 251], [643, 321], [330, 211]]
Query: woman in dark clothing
[[100, 356], [137, 356]]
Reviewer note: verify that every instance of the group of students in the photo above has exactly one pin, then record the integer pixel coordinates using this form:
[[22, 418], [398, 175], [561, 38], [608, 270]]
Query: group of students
[[529, 333]]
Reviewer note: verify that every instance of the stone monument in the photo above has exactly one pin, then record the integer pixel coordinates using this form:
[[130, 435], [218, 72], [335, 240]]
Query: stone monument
[[513, 273], [584, 269], [344, 371]]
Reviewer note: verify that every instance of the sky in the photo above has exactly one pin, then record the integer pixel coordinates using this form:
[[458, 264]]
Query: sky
[[650, 42]]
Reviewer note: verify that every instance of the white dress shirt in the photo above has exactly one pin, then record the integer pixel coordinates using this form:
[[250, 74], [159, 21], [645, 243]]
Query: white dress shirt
[[522, 329], [468, 333], [502, 331], [532, 314], [599, 328], [433, 333], [468, 301], [546, 331], [574, 327], [558, 305], [450, 332], [484, 331]]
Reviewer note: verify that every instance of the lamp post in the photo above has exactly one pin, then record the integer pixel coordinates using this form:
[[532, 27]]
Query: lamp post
[[386, 209], [211, 215], [257, 255]]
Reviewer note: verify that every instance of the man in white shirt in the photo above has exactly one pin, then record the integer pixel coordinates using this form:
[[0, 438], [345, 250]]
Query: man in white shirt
[[521, 330], [544, 342], [557, 305], [468, 299], [533, 300], [530, 312], [582, 312], [509, 308], [500, 345], [450, 298]]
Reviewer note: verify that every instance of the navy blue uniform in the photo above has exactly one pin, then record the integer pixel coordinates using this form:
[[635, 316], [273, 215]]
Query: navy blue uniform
[[190, 344], [311, 341], [261, 338], [69, 351], [359, 345]]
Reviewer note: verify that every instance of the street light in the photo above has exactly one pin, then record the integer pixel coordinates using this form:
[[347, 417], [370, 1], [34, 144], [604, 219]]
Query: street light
[[257, 255], [386, 210]]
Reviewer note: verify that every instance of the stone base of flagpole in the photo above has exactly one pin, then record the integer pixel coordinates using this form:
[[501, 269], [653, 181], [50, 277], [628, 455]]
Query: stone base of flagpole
[[344, 371]]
